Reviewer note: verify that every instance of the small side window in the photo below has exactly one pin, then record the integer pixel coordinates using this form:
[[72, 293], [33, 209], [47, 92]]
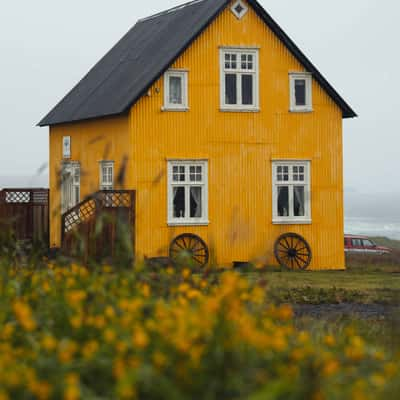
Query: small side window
[[106, 175], [176, 90], [300, 92], [368, 243]]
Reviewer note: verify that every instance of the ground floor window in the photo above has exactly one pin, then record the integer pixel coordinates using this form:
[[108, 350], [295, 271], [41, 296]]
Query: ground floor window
[[70, 185], [106, 175], [291, 191], [187, 192]]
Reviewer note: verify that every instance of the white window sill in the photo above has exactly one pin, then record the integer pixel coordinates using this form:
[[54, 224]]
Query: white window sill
[[292, 221], [188, 223], [175, 109], [301, 110], [239, 110]]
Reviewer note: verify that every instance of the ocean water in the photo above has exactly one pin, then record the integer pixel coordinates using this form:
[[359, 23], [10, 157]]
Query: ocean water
[[389, 228]]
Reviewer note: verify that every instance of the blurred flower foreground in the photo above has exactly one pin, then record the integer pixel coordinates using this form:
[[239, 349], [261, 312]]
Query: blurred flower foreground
[[70, 333]]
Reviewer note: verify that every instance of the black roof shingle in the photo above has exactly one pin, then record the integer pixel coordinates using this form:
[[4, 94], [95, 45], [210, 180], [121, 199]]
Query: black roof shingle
[[129, 69]]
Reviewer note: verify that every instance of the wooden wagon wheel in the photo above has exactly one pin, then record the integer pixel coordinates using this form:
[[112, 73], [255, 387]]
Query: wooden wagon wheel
[[292, 251], [189, 248]]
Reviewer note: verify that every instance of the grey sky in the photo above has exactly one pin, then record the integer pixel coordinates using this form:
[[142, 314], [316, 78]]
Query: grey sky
[[46, 46]]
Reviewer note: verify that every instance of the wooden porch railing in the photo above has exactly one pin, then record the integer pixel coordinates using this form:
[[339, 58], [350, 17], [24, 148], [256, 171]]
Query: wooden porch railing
[[95, 224]]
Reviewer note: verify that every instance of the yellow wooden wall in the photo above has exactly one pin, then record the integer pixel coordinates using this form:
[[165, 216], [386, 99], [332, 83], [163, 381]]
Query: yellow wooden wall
[[91, 142], [239, 147]]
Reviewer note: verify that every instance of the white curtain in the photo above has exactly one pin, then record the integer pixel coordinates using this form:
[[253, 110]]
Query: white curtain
[[299, 201], [175, 90], [195, 193]]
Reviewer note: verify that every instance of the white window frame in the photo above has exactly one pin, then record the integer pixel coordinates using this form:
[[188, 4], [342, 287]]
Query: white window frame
[[66, 147], [184, 76], [187, 220], [70, 194], [293, 76], [105, 185], [239, 51], [291, 219]]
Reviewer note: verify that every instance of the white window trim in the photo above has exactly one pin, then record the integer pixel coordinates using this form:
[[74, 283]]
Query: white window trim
[[72, 167], [183, 74], [104, 185], [239, 107], [293, 76], [66, 147], [243, 13], [291, 220], [203, 221]]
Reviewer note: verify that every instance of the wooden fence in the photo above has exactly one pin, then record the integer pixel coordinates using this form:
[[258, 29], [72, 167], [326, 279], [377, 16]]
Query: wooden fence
[[96, 228], [26, 212]]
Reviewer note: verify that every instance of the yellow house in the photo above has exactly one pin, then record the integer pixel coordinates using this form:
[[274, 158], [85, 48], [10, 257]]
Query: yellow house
[[223, 128]]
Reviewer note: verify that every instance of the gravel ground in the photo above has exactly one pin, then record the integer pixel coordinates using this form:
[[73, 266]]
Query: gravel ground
[[363, 311]]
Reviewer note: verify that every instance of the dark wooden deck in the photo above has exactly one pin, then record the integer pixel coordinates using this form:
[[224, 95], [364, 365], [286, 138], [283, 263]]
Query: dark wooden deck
[[100, 227]]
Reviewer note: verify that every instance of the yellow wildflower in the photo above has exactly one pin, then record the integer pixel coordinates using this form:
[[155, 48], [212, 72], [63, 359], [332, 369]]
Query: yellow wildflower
[[109, 335], [186, 273], [285, 313], [7, 331], [329, 340], [76, 297], [89, 349], [378, 380], [140, 338], [42, 390], [49, 343], [119, 368], [331, 367], [24, 316], [146, 290], [109, 312]]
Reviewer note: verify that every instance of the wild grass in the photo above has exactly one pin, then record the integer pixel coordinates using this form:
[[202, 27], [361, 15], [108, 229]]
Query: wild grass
[[104, 332]]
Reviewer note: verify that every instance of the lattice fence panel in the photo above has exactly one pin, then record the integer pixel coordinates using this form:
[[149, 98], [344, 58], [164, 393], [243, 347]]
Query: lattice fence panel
[[17, 197], [79, 215]]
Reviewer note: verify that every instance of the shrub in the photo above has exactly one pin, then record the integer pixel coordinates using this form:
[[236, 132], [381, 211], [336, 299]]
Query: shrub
[[67, 333]]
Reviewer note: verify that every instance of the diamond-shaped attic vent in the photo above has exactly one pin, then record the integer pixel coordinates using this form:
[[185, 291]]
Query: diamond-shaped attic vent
[[239, 9]]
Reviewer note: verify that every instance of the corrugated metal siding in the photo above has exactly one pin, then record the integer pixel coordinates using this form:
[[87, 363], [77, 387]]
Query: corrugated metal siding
[[239, 147], [91, 142]]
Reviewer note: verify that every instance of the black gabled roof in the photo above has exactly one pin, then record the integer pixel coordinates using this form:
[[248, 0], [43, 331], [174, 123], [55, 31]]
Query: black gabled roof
[[129, 69]]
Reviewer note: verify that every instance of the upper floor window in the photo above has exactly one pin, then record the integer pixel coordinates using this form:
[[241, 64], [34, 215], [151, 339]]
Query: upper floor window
[[239, 79], [187, 192], [291, 192], [300, 92], [176, 90], [106, 175]]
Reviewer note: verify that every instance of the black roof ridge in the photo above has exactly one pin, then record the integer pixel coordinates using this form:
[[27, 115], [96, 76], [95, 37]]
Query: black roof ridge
[[170, 10]]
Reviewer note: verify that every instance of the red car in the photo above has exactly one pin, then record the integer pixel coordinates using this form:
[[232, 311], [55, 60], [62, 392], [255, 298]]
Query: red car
[[363, 245]]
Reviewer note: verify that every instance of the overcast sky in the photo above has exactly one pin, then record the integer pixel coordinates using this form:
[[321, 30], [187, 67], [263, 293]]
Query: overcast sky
[[46, 46]]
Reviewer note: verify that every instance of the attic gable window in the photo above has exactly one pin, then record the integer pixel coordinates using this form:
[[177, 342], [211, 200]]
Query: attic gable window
[[239, 79], [176, 90], [300, 92], [239, 9]]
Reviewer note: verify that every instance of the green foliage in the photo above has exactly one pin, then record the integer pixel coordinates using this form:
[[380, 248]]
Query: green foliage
[[66, 332]]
